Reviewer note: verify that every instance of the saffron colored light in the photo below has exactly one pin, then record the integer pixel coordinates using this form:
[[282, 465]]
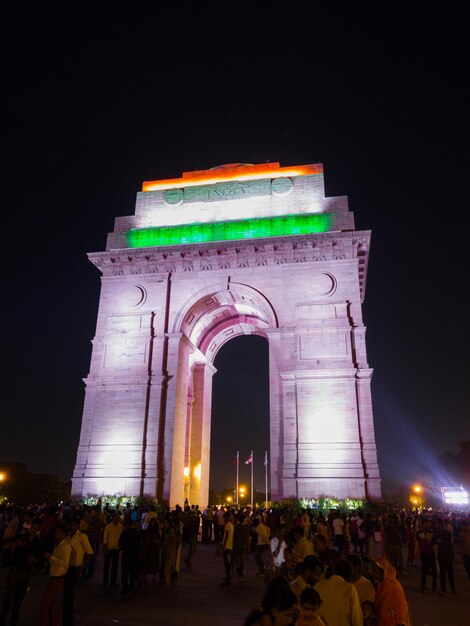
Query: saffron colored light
[[229, 231], [235, 171]]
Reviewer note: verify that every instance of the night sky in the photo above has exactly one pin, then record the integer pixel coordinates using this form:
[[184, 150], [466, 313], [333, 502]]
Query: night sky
[[100, 96]]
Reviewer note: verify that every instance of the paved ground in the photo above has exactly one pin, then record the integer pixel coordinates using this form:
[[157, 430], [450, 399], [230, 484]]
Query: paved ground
[[197, 599]]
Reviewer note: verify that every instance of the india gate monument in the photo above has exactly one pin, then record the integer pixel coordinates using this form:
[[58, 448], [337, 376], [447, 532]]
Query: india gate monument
[[238, 249]]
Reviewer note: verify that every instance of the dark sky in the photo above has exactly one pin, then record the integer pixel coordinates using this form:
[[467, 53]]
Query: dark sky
[[99, 96]]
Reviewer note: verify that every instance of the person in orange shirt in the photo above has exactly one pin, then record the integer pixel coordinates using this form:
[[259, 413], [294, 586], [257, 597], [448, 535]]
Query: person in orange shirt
[[391, 603]]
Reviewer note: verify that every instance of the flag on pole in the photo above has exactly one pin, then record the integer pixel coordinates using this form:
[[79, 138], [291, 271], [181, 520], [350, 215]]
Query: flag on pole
[[249, 459], [235, 461], [266, 457]]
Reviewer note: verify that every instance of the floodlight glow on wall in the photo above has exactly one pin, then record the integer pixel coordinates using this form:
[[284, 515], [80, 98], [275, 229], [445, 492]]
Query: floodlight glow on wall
[[229, 231]]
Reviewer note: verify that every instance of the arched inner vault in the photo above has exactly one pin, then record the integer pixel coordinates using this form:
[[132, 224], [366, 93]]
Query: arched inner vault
[[218, 317], [205, 326]]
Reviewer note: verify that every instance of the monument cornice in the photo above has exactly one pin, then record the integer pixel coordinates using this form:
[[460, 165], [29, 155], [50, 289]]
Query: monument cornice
[[239, 255]]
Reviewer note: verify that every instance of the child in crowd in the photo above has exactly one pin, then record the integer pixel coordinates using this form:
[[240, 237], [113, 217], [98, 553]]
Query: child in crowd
[[287, 569], [309, 604], [369, 614]]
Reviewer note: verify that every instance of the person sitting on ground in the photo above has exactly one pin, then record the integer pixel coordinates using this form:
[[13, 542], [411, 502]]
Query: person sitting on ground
[[278, 607], [310, 602]]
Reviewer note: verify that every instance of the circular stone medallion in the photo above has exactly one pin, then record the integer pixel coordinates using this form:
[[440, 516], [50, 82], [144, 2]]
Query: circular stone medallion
[[173, 196], [281, 186], [322, 285], [134, 297]]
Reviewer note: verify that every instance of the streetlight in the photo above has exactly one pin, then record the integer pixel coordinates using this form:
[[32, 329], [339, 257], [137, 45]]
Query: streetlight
[[417, 498], [3, 477], [186, 483]]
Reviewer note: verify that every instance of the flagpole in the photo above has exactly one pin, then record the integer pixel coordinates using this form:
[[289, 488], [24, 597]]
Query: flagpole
[[252, 464], [266, 475], [238, 463]]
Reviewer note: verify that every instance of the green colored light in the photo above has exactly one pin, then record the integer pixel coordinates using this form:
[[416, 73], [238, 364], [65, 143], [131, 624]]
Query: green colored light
[[229, 231]]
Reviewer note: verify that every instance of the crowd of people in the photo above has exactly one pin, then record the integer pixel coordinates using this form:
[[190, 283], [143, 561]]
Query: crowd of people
[[344, 570], [333, 569]]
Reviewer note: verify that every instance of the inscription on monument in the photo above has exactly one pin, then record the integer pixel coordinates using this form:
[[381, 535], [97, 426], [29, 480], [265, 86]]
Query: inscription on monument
[[228, 191]]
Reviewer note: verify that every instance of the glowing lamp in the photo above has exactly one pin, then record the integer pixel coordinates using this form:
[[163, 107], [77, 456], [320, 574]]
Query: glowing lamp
[[197, 471], [186, 472]]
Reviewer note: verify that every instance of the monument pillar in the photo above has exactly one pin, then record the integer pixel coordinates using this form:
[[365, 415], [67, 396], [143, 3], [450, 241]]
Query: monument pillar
[[199, 466]]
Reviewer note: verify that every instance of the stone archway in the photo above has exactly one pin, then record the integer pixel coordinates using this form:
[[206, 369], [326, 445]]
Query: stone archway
[[203, 328], [234, 250]]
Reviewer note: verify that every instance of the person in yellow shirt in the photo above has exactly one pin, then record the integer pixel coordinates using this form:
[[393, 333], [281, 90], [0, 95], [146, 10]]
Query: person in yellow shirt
[[59, 563], [340, 601], [263, 533], [81, 552], [303, 546], [309, 573], [365, 589], [112, 533]]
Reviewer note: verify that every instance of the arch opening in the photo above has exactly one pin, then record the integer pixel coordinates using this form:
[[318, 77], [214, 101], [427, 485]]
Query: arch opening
[[208, 325], [240, 417]]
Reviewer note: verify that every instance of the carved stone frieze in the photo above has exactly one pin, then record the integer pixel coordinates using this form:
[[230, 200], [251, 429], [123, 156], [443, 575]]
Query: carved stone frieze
[[257, 253]]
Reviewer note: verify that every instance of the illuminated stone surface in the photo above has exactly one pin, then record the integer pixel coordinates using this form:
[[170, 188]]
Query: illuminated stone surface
[[165, 310]]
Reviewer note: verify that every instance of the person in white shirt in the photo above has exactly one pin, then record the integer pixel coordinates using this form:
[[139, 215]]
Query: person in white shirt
[[228, 548], [338, 530], [59, 563], [277, 546]]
